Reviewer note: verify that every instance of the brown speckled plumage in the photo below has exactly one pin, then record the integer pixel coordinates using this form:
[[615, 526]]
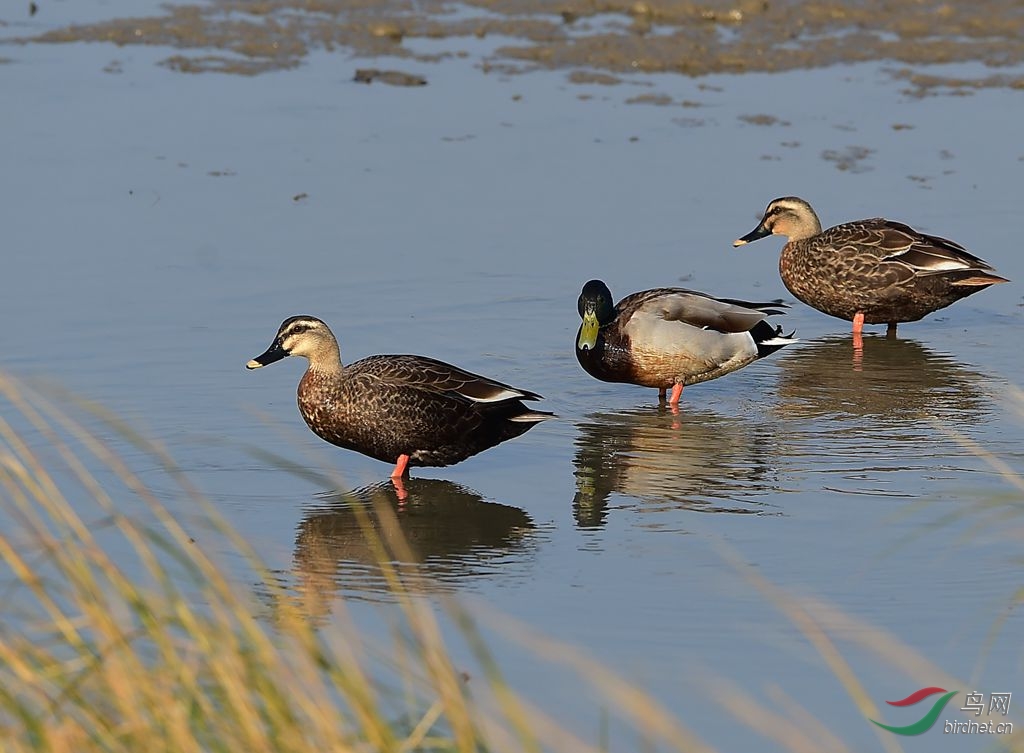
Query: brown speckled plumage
[[391, 405], [671, 336], [884, 269]]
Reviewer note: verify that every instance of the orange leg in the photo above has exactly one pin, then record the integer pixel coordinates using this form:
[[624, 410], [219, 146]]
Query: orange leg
[[858, 326], [677, 391], [401, 467], [858, 322], [400, 491]]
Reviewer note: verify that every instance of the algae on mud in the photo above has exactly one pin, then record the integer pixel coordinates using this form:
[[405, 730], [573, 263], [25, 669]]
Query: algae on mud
[[615, 37]]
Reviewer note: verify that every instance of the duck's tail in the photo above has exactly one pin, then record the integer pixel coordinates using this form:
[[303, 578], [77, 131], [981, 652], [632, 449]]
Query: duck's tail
[[769, 339]]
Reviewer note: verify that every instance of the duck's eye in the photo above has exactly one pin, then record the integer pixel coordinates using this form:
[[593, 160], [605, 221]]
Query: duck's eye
[[298, 329]]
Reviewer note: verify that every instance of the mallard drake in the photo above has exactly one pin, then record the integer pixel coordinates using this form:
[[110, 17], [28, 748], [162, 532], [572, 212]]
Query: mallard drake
[[406, 410], [671, 337], [869, 271]]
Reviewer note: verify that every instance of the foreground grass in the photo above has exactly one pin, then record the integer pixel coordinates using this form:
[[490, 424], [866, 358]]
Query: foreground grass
[[163, 653], [158, 651]]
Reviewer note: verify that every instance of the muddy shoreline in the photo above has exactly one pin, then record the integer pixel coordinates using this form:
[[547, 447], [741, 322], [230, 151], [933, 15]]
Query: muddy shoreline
[[599, 42]]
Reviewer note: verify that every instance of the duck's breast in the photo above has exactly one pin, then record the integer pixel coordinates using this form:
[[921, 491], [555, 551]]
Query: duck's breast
[[670, 351]]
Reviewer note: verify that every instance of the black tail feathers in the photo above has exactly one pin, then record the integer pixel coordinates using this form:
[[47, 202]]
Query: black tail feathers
[[769, 339]]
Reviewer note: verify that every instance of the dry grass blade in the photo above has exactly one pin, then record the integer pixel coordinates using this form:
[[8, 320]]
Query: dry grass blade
[[807, 622], [642, 710], [827, 741], [794, 734]]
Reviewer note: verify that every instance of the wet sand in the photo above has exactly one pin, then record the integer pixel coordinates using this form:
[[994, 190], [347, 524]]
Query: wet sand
[[599, 42]]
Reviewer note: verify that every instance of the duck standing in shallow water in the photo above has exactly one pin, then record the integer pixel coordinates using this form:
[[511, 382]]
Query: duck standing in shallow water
[[406, 410], [670, 337], [870, 271]]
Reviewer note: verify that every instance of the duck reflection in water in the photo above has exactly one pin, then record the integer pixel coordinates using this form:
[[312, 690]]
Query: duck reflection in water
[[436, 537], [898, 382], [700, 460]]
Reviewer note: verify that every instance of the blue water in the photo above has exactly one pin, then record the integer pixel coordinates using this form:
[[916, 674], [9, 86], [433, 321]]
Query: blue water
[[153, 243]]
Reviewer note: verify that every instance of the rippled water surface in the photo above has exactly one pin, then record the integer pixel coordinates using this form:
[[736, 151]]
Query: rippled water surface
[[158, 226]]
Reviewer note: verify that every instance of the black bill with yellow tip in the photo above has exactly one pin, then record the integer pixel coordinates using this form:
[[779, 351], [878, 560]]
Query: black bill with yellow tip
[[274, 353], [756, 234]]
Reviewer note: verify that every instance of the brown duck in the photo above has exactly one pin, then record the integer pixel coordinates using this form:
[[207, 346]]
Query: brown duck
[[869, 271], [671, 337], [402, 409]]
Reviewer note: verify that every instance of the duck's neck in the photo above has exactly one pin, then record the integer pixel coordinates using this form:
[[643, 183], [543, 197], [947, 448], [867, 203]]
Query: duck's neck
[[807, 225], [326, 360]]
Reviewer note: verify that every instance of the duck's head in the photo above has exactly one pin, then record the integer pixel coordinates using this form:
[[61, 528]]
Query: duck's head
[[304, 336], [788, 216], [596, 309]]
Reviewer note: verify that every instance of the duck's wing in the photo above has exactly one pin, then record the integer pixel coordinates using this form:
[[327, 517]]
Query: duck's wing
[[696, 309], [930, 253], [921, 253], [431, 375]]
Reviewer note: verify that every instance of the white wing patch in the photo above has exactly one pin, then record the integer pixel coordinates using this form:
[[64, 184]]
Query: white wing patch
[[494, 397], [935, 264]]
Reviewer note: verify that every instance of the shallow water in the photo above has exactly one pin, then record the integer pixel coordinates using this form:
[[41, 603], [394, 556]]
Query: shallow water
[[159, 226]]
